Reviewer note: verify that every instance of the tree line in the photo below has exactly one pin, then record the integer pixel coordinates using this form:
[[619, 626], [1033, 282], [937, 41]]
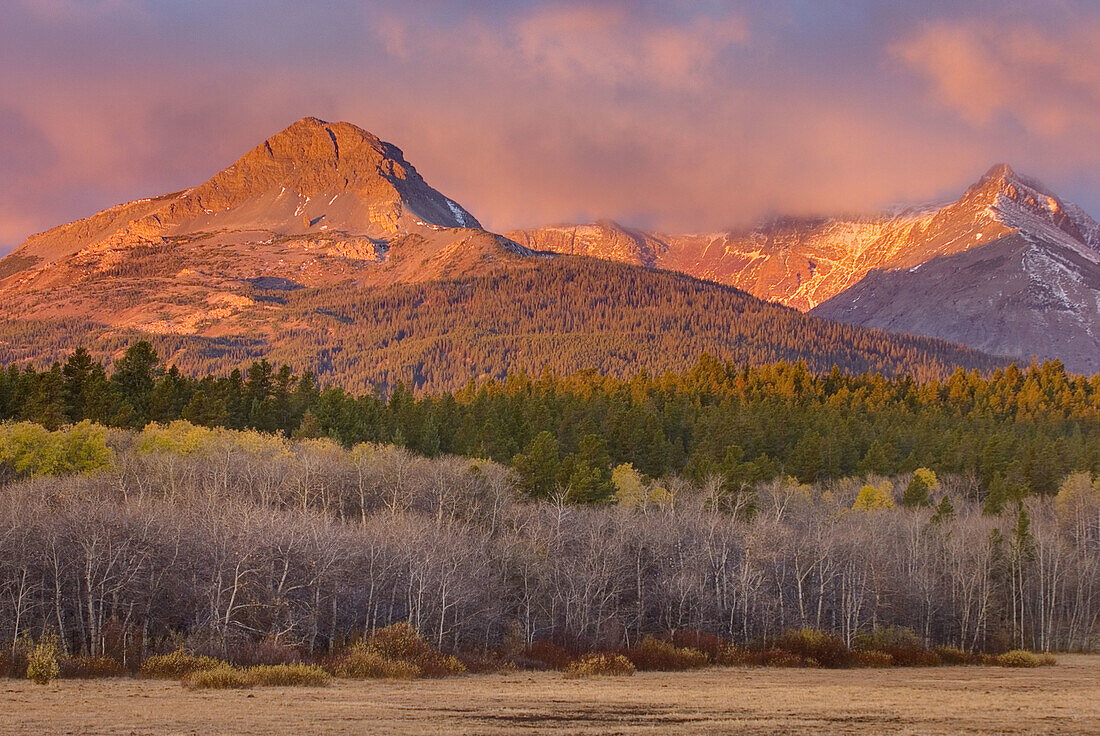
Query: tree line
[[1007, 434], [221, 540]]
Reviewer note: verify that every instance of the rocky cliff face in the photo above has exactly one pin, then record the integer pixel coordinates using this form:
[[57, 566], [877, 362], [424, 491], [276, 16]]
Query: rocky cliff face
[[1031, 269]]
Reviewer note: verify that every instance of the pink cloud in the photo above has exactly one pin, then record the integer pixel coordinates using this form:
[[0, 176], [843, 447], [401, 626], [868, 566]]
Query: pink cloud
[[555, 111], [1046, 78], [605, 44]]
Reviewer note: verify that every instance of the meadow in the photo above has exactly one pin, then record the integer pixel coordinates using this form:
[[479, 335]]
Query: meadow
[[1063, 699]]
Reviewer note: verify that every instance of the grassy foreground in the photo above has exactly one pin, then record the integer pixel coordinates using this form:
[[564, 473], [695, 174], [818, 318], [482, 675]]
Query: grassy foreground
[[975, 700]]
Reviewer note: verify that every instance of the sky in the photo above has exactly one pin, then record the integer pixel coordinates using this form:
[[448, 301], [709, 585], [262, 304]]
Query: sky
[[675, 115]]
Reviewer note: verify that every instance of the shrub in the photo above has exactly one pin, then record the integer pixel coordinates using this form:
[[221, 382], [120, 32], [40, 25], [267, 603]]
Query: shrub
[[42, 664], [87, 668], [1018, 658], [955, 656], [782, 658], [222, 677], [826, 650], [872, 659], [900, 643], [707, 643], [268, 651], [12, 666], [600, 664], [226, 676], [401, 642], [731, 655], [552, 655], [177, 664], [881, 638], [362, 663], [399, 652], [654, 654], [875, 498], [30, 449]]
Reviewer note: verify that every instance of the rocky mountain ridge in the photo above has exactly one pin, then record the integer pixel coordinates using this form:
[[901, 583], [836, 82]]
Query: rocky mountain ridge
[[802, 262], [836, 266]]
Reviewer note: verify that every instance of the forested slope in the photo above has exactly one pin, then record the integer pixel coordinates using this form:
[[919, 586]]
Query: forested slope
[[565, 314]]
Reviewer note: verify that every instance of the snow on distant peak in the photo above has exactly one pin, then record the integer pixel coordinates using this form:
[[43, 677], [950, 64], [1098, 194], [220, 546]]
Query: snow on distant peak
[[459, 213], [1089, 228]]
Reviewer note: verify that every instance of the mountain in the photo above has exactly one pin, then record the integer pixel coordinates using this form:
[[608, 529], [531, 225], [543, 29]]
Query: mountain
[[322, 247], [1031, 289], [1018, 262], [315, 204]]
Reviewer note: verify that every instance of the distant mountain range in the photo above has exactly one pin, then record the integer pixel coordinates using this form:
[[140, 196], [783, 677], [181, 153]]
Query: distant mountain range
[[324, 248], [1009, 268]]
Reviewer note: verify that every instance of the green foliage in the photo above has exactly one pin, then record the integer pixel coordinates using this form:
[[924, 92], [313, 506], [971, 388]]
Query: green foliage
[[134, 379], [538, 466], [635, 491], [600, 664], [945, 511], [1017, 432], [919, 491], [42, 664]]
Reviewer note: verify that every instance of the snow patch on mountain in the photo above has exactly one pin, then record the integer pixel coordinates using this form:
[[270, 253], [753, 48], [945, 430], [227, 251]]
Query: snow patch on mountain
[[459, 213]]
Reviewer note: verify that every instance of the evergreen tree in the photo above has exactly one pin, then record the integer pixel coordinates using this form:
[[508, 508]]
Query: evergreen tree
[[945, 511], [918, 493], [538, 466], [134, 377], [77, 377]]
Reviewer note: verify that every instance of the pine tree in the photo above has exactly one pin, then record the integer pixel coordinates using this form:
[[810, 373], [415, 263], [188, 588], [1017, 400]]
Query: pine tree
[[918, 494], [945, 511], [134, 377], [538, 466]]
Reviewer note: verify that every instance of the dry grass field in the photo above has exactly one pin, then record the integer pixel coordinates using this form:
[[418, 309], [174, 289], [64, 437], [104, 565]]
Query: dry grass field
[[1064, 699]]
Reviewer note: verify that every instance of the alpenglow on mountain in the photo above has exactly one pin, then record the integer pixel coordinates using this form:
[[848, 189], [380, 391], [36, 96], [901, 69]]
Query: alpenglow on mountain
[[323, 248], [1009, 268]]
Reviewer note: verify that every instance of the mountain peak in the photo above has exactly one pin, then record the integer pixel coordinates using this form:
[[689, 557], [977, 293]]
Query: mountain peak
[[999, 171], [1003, 179], [313, 179], [314, 156], [301, 171], [1027, 205]]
